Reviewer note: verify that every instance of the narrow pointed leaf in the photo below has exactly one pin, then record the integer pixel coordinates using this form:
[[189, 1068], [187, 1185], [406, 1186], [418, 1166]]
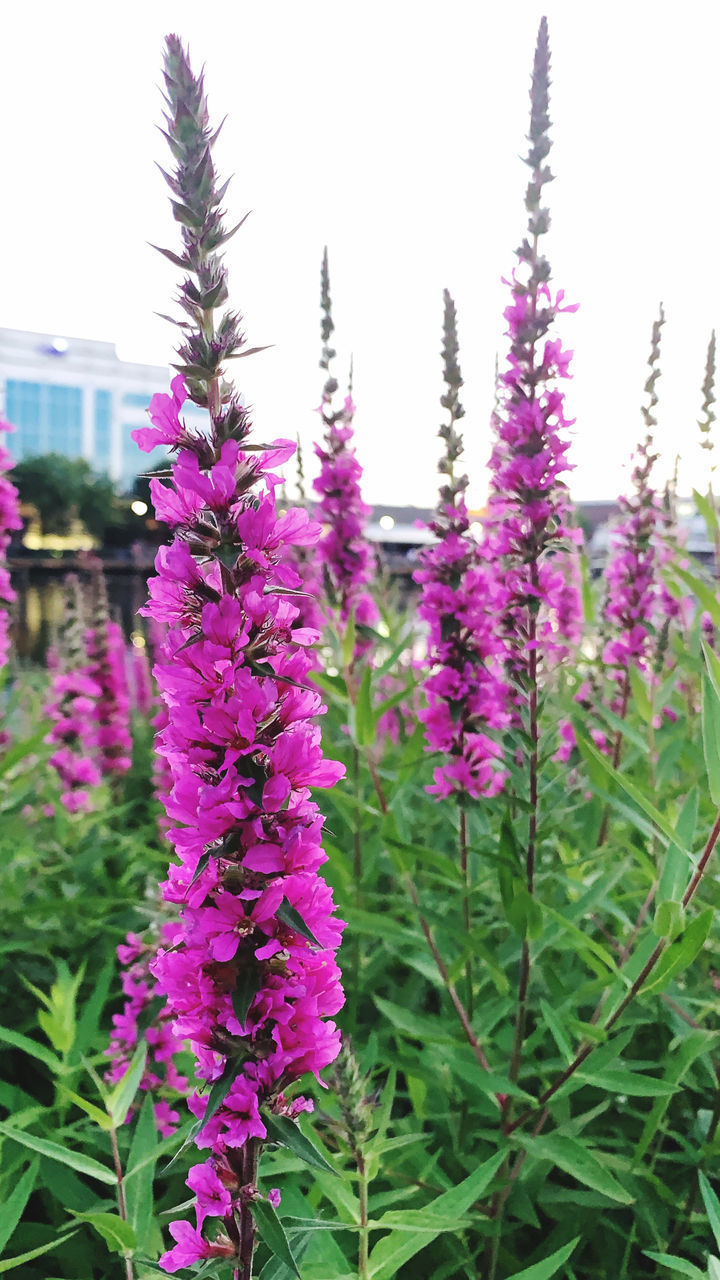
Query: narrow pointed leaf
[[291, 917], [284, 1130], [712, 1206], [73, 1159], [272, 1233], [14, 1205], [246, 989], [549, 1266], [121, 1096], [117, 1234], [9, 1264]]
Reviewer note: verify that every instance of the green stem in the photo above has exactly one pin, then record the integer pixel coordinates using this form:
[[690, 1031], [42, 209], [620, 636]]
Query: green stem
[[122, 1204], [617, 752], [364, 1233], [357, 878], [467, 914]]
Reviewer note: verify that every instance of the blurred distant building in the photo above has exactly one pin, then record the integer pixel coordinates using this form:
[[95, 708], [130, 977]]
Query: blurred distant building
[[77, 397]]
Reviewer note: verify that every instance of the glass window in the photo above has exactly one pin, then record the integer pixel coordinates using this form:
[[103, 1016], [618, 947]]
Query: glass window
[[64, 419], [48, 418], [24, 408], [136, 399], [103, 430]]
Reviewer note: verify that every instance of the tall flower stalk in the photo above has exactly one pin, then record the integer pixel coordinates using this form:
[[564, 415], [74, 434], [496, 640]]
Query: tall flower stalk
[[344, 552], [632, 574], [73, 700], [9, 522], [251, 975], [305, 559], [706, 424], [466, 694], [465, 689], [529, 528], [105, 646]]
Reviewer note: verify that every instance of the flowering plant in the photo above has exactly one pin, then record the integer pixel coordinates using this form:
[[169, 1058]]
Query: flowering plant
[[250, 976]]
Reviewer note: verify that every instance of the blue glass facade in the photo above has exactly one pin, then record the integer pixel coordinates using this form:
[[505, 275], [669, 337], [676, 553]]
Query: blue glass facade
[[103, 431], [48, 418], [134, 461]]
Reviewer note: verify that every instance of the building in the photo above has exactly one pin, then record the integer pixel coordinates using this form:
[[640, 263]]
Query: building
[[75, 396]]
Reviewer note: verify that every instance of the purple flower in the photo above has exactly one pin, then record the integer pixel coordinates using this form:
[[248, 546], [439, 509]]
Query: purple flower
[[344, 555], [242, 754], [465, 689]]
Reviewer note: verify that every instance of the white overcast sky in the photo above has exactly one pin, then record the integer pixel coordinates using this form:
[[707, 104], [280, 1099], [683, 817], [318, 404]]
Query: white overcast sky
[[390, 130]]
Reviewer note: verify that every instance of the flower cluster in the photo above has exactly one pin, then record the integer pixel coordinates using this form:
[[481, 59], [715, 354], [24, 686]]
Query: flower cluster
[[139, 679], [74, 694], [9, 521], [305, 559], [465, 690], [138, 984], [529, 522], [633, 591], [105, 647], [344, 553], [250, 976], [529, 532]]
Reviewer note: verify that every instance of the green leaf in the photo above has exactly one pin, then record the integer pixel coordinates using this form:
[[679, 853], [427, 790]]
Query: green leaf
[[707, 511], [641, 697], [73, 1159], [621, 780], [702, 590], [121, 1095], [14, 1205], [292, 918], [677, 1063], [272, 1233], [117, 1234], [421, 1026], [364, 714], [100, 1117], [669, 919], [623, 1081], [35, 1050], [588, 602], [216, 1097], [59, 1022], [676, 863], [549, 1266], [9, 1264], [293, 1226], [712, 1206], [679, 1265], [390, 1253], [283, 1130], [139, 1190], [711, 738], [557, 1030], [680, 953], [712, 663], [245, 991], [573, 1157]]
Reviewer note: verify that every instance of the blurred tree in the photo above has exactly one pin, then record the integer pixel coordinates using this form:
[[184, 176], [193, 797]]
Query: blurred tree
[[62, 489]]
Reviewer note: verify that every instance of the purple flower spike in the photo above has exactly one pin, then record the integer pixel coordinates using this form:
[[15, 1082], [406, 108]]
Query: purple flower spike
[[344, 553], [251, 978]]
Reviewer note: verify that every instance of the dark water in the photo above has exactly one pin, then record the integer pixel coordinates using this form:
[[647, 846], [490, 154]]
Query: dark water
[[37, 615]]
